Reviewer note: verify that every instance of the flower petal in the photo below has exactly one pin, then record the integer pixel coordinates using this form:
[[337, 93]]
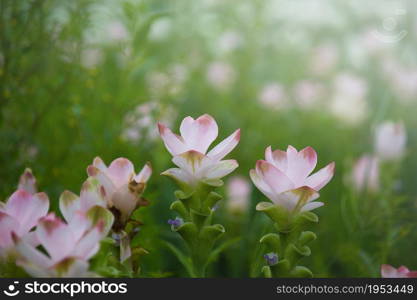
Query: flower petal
[[200, 133], [121, 171], [27, 182], [7, 225], [311, 206], [388, 271], [174, 144], [278, 158], [89, 244], [221, 169], [276, 179], [192, 162], [297, 199], [144, 174], [178, 175], [27, 208], [261, 184], [69, 204], [300, 164], [92, 193], [104, 180], [224, 148], [30, 255], [319, 179], [55, 236]]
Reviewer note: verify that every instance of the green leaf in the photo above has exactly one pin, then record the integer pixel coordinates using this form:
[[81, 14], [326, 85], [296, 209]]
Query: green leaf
[[184, 260]]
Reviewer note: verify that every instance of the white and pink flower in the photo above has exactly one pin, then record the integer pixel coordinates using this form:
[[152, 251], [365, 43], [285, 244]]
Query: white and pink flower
[[69, 246], [122, 186], [365, 174], [284, 177], [388, 271], [21, 213], [190, 151], [390, 140]]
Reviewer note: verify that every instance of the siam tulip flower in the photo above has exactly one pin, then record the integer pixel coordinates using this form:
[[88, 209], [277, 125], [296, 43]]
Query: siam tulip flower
[[238, 194], [68, 246], [190, 151], [273, 96], [324, 59], [390, 140], [21, 213], [123, 188], [349, 99], [365, 174], [307, 93], [220, 75], [388, 271], [284, 177], [229, 41]]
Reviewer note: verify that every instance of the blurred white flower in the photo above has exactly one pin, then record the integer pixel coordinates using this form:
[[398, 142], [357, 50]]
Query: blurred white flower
[[229, 41], [324, 59], [403, 80], [349, 99], [273, 96], [238, 194], [390, 140], [307, 93], [220, 75], [365, 174], [116, 31], [160, 29], [91, 57]]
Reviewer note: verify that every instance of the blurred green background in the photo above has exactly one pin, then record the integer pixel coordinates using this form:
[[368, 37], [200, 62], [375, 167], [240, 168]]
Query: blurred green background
[[80, 79]]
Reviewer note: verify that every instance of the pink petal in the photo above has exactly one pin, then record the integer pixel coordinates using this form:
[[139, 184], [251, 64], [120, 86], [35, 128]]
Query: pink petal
[[121, 171], [104, 180], [276, 180], [55, 236], [278, 158], [69, 204], [99, 164], [388, 271], [261, 184], [174, 144], [224, 148], [312, 205], [319, 179], [221, 169], [144, 174], [300, 164], [179, 175], [7, 225], [27, 208], [27, 182], [31, 255], [125, 201], [297, 198], [192, 162], [92, 193], [200, 133], [88, 245]]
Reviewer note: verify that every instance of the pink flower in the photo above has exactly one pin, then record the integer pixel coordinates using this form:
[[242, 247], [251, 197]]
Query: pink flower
[[390, 140], [388, 271], [365, 173], [21, 212], [190, 150], [238, 194], [123, 188], [284, 177], [68, 246]]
